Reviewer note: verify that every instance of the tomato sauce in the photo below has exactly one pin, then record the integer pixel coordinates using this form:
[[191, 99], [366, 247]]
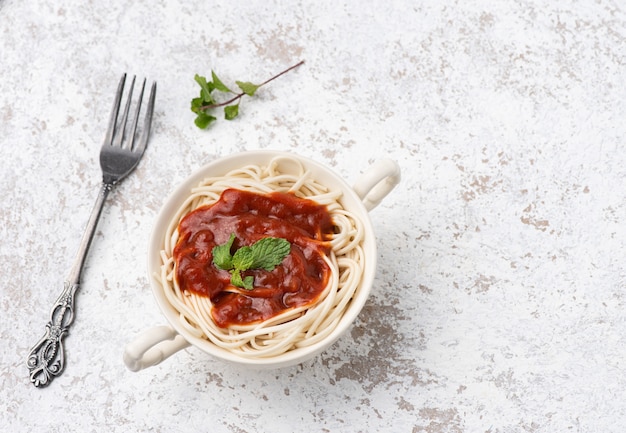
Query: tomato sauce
[[297, 281]]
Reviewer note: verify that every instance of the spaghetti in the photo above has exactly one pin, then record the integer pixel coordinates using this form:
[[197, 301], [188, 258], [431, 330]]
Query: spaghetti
[[292, 328]]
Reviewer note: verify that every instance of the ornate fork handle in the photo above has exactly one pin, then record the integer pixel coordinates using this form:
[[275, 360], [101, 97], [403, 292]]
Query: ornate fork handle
[[47, 358]]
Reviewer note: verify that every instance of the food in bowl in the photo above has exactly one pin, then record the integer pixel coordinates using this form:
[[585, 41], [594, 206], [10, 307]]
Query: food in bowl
[[262, 312]]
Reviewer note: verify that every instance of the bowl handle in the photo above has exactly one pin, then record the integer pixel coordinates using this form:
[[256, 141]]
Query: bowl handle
[[377, 181], [152, 346]]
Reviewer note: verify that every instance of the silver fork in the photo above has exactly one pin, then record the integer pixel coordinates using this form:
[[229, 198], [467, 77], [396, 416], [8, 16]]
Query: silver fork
[[121, 151]]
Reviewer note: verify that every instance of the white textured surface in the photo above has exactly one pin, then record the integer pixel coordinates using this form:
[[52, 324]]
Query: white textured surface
[[499, 303]]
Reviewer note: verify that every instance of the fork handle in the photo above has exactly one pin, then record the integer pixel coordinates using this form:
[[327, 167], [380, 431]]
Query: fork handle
[[46, 360], [90, 230]]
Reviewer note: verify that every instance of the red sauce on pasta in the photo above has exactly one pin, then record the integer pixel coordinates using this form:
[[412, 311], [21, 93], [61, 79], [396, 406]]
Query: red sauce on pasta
[[297, 281]]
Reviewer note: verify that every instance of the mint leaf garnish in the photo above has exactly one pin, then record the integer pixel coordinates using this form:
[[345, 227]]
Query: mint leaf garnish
[[222, 258], [231, 111], [203, 105], [245, 283], [205, 88], [247, 88], [218, 84], [269, 253], [266, 254], [203, 120]]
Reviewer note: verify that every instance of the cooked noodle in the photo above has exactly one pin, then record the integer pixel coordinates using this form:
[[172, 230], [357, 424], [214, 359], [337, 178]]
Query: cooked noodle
[[293, 328]]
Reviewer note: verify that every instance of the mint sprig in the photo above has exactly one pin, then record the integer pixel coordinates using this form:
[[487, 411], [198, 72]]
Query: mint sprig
[[205, 104], [266, 254]]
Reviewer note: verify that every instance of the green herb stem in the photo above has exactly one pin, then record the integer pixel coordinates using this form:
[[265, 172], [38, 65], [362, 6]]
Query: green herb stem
[[282, 73], [221, 104], [240, 95]]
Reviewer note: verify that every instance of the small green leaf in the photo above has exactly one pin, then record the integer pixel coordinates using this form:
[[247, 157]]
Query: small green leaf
[[237, 281], [200, 80], [243, 258], [248, 282], [222, 258], [218, 84], [266, 253], [207, 98], [235, 278], [203, 120], [269, 253], [231, 111], [206, 89], [247, 87], [196, 104]]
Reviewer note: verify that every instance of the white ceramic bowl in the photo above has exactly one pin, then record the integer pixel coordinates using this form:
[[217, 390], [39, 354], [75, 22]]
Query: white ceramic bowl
[[156, 344]]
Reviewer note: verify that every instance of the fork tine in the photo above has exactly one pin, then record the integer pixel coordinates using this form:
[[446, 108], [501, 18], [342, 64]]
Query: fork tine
[[131, 135], [119, 135], [145, 134], [108, 138]]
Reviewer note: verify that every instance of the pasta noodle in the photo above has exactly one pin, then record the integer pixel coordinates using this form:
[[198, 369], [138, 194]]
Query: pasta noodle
[[293, 328]]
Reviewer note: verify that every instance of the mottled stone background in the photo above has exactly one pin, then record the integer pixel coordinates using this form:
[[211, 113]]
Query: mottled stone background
[[499, 301]]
